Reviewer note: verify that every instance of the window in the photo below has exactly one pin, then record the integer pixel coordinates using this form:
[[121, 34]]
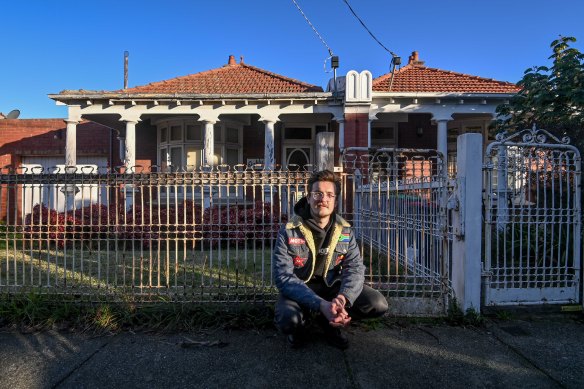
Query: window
[[193, 155], [176, 158], [298, 133], [231, 156], [232, 135], [194, 132], [163, 160], [383, 134], [217, 131], [181, 144], [175, 133]]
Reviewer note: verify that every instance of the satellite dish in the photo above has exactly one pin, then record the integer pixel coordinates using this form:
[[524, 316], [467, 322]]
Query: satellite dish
[[14, 114]]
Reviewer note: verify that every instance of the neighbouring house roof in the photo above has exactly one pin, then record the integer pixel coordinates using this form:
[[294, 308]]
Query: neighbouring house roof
[[231, 79], [416, 77]]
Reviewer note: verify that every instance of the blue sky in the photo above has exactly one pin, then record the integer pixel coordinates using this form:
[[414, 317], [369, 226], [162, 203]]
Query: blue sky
[[49, 46]]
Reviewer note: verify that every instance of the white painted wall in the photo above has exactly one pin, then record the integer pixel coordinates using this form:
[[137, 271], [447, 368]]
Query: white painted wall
[[52, 195]]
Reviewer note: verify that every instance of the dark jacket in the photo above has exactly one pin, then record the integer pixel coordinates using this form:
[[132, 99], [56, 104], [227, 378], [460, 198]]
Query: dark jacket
[[294, 259]]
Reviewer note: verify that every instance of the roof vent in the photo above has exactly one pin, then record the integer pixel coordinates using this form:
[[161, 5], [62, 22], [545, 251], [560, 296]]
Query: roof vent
[[414, 59], [231, 60]]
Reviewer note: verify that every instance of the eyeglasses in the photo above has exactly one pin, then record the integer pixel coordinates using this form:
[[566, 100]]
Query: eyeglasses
[[321, 195]]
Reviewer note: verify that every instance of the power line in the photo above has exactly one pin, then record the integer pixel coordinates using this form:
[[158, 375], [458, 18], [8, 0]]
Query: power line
[[369, 31], [313, 28]]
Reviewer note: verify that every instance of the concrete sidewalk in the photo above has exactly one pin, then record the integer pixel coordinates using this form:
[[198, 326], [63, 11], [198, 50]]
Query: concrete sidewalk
[[542, 353]]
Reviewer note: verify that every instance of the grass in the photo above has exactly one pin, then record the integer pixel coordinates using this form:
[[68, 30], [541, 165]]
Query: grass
[[193, 269], [38, 312], [471, 317], [173, 271]]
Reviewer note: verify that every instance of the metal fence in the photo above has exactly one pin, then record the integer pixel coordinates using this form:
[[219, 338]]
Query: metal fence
[[532, 201], [187, 236], [207, 235], [399, 201]]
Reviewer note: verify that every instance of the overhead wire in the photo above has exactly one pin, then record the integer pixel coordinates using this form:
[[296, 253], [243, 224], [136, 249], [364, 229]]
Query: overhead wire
[[395, 59], [313, 28], [368, 30]]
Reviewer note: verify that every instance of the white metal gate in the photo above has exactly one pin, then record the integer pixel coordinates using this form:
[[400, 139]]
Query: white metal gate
[[396, 200], [532, 226]]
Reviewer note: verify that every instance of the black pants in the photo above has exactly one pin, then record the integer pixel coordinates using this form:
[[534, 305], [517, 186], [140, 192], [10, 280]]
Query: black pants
[[289, 315]]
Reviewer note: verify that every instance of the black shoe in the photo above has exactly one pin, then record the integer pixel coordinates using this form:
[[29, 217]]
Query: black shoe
[[336, 338], [295, 340]]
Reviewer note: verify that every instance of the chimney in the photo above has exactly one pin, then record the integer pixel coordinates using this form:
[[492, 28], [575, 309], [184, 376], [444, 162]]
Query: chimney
[[126, 55], [414, 59], [231, 60], [241, 59]]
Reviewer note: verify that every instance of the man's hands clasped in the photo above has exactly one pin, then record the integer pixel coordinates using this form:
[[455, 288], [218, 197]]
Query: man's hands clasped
[[335, 311]]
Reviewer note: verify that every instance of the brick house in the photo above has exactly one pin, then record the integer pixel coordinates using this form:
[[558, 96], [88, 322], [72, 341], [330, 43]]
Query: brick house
[[239, 114]]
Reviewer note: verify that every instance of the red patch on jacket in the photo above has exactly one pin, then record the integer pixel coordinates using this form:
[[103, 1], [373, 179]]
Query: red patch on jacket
[[339, 259], [296, 241], [299, 262]]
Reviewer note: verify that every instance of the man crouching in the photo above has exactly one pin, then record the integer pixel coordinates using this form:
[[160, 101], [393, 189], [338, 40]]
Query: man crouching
[[317, 267]]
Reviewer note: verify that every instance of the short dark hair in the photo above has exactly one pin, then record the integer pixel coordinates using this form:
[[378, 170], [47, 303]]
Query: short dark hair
[[325, 175]]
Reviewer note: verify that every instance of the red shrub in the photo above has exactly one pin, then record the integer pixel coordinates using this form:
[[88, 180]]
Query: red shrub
[[235, 225]]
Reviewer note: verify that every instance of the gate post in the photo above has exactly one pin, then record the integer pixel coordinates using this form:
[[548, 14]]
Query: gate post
[[467, 223], [325, 150]]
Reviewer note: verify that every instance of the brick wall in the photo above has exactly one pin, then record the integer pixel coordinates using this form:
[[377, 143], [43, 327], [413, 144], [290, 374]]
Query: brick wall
[[47, 137], [408, 137], [253, 140], [356, 129], [44, 137], [146, 146]]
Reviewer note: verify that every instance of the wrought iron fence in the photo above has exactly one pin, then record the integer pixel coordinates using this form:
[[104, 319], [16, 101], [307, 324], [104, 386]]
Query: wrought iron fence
[[207, 235], [399, 212], [193, 236]]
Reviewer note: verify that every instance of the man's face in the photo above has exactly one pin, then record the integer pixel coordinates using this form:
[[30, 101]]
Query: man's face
[[323, 205]]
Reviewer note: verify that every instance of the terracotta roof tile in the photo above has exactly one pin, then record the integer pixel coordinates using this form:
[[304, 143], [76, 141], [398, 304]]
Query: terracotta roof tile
[[232, 78], [417, 78]]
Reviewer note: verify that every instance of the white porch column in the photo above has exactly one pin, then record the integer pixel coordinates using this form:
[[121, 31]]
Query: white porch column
[[269, 145], [208, 142], [130, 146], [442, 140], [369, 133], [371, 119], [71, 143]]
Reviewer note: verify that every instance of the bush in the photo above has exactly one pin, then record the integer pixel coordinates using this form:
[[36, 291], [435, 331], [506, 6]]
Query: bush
[[154, 226], [84, 224], [235, 225], [242, 224]]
